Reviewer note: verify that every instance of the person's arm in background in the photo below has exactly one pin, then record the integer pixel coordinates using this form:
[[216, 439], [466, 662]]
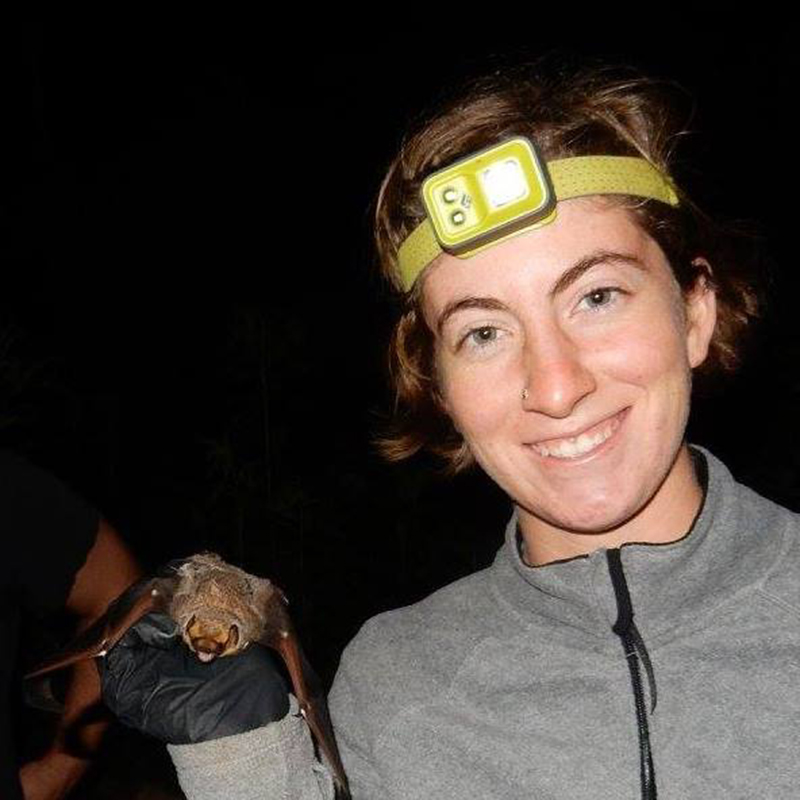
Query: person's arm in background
[[108, 570]]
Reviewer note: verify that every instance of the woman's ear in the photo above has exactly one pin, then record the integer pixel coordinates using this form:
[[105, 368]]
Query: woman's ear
[[701, 313]]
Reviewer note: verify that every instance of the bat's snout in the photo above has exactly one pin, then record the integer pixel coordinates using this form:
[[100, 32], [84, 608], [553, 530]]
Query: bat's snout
[[211, 640]]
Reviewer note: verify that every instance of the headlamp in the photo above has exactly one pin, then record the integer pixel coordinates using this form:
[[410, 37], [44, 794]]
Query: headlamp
[[508, 188]]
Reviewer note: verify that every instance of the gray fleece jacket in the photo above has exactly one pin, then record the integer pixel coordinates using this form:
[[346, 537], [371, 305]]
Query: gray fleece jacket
[[511, 684]]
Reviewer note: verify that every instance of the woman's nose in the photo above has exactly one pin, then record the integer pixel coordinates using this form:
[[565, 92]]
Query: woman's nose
[[556, 379]]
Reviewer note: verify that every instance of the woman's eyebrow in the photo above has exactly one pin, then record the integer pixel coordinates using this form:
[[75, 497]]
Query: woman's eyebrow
[[592, 260], [485, 303]]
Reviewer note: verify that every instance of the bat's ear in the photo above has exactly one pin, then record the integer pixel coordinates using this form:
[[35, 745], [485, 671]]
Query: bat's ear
[[233, 638]]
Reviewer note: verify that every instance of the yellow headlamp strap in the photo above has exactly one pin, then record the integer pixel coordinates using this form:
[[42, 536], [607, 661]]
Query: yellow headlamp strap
[[577, 176]]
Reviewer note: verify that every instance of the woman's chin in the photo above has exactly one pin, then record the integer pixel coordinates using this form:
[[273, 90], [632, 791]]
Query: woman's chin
[[588, 519]]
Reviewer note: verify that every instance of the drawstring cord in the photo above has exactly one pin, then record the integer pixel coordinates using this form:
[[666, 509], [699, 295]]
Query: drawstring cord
[[635, 651]]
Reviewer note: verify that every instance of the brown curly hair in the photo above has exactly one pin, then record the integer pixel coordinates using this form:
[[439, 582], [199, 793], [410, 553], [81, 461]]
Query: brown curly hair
[[591, 112]]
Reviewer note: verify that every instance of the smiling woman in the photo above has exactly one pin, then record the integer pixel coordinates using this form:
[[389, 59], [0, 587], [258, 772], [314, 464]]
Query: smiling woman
[[638, 629], [558, 354]]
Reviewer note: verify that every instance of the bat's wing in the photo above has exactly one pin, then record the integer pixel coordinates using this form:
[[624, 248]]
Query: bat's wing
[[280, 635], [144, 597]]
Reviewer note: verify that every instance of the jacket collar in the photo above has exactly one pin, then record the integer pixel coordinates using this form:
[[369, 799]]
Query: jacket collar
[[732, 544]]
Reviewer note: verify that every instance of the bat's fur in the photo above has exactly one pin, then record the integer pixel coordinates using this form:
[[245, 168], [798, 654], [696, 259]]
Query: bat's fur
[[212, 597]]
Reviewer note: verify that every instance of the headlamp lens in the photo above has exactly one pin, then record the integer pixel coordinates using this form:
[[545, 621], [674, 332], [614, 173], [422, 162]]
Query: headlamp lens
[[504, 182]]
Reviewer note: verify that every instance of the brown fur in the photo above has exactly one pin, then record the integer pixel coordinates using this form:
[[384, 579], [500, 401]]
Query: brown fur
[[213, 597]]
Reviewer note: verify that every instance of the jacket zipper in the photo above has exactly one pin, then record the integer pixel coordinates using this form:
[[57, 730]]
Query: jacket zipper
[[635, 652]]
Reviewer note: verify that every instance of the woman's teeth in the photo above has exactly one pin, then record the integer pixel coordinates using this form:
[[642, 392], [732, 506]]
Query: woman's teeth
[[578, 445]]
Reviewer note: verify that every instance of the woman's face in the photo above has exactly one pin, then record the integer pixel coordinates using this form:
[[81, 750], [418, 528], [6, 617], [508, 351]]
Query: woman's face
[[564, 358]]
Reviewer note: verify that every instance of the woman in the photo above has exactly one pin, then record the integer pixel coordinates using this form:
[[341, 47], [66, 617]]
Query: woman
[[637, 631]]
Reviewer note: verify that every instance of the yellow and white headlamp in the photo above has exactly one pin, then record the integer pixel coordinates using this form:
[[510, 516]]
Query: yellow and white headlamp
[[508, 188]]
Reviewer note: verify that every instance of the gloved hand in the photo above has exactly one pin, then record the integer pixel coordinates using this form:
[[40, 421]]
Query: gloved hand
[[154, 683]]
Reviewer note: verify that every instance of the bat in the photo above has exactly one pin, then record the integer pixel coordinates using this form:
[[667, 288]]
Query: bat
[[220, 610]]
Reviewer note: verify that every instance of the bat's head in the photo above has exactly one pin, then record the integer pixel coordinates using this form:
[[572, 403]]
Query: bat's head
[[210, 638], [218, 607]]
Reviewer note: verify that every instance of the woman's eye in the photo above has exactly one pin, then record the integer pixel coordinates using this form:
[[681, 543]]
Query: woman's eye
[[600, 297], [481, 337]]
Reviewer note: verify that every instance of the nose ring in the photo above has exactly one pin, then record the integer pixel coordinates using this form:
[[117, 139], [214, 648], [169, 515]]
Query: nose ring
[[524, 394]]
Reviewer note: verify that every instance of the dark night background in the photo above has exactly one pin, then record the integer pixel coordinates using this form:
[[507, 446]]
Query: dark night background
[[192, 333]]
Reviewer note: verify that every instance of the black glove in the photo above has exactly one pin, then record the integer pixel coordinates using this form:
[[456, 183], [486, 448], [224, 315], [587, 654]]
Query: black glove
[[154, 683]]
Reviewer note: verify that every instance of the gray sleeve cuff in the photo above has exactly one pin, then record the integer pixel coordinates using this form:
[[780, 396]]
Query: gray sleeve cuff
[[276, 761]]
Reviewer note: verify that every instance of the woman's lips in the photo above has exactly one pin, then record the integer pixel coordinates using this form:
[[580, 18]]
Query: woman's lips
[[587, 441]]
